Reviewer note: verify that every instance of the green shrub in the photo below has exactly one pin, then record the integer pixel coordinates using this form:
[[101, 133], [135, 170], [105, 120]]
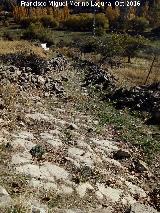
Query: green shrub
[[100, 31], [79, 23], [138, 24], [37, 31], [119, 25], [11, 36], [25, 22], [87, 45], [84, 22], [6, 23], [46, 21], [49, 21], [101, 21]]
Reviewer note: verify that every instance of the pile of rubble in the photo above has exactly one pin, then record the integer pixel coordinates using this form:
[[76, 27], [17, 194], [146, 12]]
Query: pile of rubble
[[145, 98], [31, 71], [96, 76]]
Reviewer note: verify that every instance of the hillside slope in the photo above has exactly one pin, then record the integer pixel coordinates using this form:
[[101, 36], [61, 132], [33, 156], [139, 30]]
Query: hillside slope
[[55, 156]]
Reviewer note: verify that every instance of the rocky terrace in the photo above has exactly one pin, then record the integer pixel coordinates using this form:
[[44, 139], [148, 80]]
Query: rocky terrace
[[52, 157]]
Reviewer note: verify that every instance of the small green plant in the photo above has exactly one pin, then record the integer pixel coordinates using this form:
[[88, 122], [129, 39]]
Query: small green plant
[[37, 151], [68, 135]]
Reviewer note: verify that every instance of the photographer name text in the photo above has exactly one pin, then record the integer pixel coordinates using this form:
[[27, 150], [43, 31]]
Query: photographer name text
[[79, 3]]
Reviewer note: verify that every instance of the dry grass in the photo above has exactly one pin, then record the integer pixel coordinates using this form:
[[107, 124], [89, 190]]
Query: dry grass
[[135, 74], [13, 104], [7, 47]]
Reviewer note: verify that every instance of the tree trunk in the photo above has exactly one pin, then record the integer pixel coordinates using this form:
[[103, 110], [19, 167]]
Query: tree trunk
[[129, 59]]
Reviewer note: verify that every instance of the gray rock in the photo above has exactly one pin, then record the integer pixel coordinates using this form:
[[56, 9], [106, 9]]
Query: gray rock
[[5, 199], [38, 210], [28, 69], [72, 126], [41, 80], [141, 208]]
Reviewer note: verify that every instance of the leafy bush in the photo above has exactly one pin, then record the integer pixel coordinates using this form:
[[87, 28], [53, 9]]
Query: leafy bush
[[6, 23], [25, 22], [101, 21], [84, 22], [37, 31], [100, 31], [79, 22], [112, 45], [138, 24], [119, 25], [11, 36], [49, 21], [87, 45], [46, 21]]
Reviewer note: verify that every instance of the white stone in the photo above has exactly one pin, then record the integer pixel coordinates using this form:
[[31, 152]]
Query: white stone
[[135, 189], [82, 188], [81, 156], [55, 142], [112, 161], [46, 135], [128, 200], [39, 116], [99, 195], [110, 145], [44, 185], [111, 193], [66, 189], [24, 135], [26, 144], [51, 139], [74, 152], [5, 199], [21, 158], [141, 208], [47, 171]]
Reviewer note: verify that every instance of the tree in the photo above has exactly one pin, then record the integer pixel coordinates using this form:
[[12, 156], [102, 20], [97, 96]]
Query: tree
[[111, 14], [154, 15], [131, 45], [145, 10], [120, 45], [110, 45]]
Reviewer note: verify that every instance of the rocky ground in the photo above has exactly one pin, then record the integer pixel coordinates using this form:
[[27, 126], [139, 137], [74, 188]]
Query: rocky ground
[[54, 156]]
